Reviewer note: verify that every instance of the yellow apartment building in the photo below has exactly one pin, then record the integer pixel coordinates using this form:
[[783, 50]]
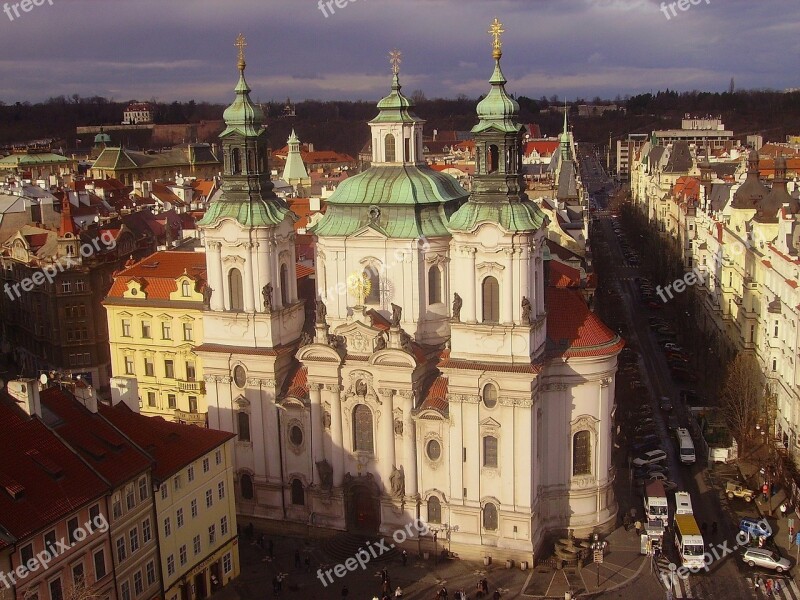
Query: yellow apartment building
[[154, 311]]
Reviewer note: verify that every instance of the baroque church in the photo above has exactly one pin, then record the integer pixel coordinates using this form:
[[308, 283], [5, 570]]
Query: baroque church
[[441, 376]]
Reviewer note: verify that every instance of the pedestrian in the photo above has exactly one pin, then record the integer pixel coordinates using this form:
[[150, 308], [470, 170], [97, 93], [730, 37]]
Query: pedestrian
[[496, 595], [297, 559], [398, 593], [479, 589], [784, 508], [307, 561], [638, 526], [404, 557], [384, 575], [768, 587], [765, 491], [757, 584], [276, 584], [777, 587], [485, 585], [345, 591]]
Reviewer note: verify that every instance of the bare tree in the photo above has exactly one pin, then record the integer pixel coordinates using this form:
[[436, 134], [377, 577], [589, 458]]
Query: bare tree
[[743, 398]]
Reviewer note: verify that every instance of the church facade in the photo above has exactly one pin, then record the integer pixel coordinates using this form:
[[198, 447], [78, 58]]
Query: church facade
[[440, 377]]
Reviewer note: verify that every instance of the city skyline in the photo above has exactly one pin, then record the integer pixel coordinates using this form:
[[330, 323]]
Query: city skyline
[[303, 50]]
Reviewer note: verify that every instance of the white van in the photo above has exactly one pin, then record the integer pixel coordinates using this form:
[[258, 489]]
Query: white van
[[683, 503], [685, 446]]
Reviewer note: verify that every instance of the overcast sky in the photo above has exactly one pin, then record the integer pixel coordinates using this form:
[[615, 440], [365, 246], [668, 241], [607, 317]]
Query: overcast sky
[[183, 49]]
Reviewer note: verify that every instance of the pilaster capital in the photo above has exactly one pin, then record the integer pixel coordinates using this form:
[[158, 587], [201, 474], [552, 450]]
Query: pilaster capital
[[314, 387]]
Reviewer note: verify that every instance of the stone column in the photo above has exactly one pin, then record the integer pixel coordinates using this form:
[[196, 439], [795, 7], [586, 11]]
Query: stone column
[[337, 437], [315, 394], [386, 457], [249, 296], [471, 291], [507, 295], [215, 266], [409, 443]]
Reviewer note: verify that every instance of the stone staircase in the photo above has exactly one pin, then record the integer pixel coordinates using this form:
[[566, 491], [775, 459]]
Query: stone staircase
[[345, 545]]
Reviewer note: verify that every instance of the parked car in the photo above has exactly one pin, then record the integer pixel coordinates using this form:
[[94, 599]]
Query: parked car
[[755, 527], [646, 444], [647, 470], [761, 557], [648, 458], [737, 490], [665, 404]]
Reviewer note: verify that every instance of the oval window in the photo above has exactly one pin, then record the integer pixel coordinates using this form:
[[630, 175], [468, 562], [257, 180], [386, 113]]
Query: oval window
[[239, 376], [434, 450], [296, 435]]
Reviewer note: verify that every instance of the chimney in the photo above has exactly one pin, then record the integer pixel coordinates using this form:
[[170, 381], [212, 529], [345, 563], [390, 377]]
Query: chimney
[[26, 391], [314, 204], [125, 390], [86, 396]]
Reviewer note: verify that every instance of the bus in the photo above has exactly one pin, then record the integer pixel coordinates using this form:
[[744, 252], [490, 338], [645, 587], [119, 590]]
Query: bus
[[685, 446], [689, 542], [655, 502]]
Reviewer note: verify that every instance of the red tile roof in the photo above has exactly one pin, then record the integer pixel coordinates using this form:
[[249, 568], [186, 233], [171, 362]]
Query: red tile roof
[[172, 445], [573, 330], [98, 443], [436, 398], [542, 147], [29, 450], [159, 271], [298, 385], [303, 271], [562, 275]]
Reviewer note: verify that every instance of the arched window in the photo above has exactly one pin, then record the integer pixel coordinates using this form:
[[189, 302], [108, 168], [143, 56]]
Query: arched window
[[373, 275], [246, 486], [235, 294], [490, 517], [434, 285], [434, 510], [582, 453], [490, 451], [362, 429], [185, 289], [491, 300], [489, 396], [388, 145], [284, 286], [492, 159], [236, 161], [244, 426], [298, 493]]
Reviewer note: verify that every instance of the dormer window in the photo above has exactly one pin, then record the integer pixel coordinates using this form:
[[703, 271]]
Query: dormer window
[[185, 289]]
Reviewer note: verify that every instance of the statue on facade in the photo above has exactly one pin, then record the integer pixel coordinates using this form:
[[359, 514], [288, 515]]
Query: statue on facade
[[397, 313], [326, 420], [457, 304], [398, 427], [266, 295], [398, 481], [405, 342], [322, 312], [380, 342], [305, 339], [207, 291], [325, 471], [526, 310], [361, 388]]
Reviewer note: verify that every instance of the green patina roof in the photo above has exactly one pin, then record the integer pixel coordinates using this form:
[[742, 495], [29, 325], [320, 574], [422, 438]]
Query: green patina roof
[[498, 110], [243, 116], [294, 168], [381, 185], [21, 160], [411, 201], [256, 212], [395, 108], [511, 216]]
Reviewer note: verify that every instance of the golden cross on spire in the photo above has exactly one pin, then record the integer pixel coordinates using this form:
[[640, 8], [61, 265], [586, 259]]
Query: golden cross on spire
[[240, 44], [496, 31], [395, 58]]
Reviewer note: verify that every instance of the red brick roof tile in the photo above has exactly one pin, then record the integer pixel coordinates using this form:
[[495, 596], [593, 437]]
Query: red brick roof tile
[[574, 330]]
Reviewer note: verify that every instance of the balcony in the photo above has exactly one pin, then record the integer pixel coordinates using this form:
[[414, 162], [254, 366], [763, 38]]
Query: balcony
[[192, 386], [191, 418]]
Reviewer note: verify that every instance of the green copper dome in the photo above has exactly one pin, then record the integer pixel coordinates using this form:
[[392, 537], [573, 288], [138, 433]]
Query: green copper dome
[[396, 108], [243, 116], [498, 110]]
